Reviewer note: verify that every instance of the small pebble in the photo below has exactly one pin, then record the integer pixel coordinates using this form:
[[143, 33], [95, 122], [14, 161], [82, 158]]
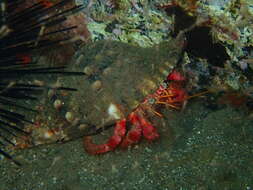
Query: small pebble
[[96, 85], [69, 116], [88, 70], [107, 71], [82, 127], [58, 104]]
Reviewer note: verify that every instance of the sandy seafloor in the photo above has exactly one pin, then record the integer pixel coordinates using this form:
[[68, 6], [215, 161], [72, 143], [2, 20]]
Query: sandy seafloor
[[201, 149]]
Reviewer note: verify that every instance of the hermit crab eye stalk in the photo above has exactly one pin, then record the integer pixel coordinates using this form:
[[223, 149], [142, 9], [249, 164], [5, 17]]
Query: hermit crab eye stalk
[[24, 29], [164, 84], [151, 101]]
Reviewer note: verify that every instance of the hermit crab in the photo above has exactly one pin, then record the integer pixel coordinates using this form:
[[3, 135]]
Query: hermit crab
[[169, 93]]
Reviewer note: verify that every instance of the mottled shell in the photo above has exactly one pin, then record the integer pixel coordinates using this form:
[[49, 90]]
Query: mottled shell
[[118, 78]]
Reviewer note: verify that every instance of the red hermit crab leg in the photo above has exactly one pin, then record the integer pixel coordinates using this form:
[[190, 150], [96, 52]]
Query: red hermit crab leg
[[149, 131], [111, 144], [134, 134], [140, 127]]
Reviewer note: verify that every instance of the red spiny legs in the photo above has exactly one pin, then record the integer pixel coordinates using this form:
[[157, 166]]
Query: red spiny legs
[[139, 127]]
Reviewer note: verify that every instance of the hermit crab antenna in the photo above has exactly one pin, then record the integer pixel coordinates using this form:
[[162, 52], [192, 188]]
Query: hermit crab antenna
[[24, 29]]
